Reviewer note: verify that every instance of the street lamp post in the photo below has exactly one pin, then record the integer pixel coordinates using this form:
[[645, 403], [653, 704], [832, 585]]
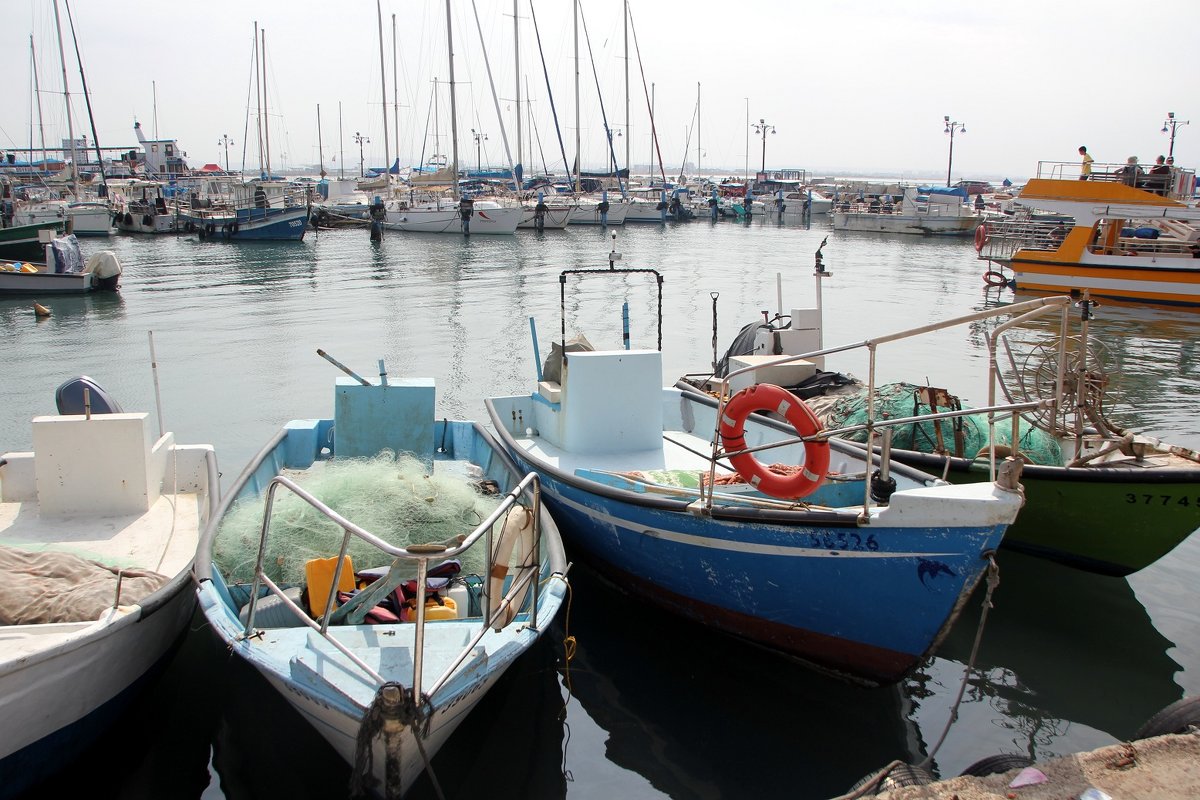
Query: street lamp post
[[1169, 127], [762, 127], [358, 137], [951, 127], [480, 137], [226, 141]]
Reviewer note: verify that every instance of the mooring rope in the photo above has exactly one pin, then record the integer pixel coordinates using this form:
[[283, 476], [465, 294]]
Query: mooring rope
[[391, 711]]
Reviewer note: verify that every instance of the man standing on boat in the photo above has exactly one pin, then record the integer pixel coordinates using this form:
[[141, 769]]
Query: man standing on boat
[[1085, 169]]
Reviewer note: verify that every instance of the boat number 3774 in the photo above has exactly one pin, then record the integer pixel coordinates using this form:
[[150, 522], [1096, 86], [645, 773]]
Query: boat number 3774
[[1160, 500]]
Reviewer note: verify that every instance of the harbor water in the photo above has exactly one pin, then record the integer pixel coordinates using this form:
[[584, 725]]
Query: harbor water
[[618, 699]]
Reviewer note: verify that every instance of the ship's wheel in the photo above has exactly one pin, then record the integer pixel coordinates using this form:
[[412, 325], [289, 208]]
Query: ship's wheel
[[1033, 375]]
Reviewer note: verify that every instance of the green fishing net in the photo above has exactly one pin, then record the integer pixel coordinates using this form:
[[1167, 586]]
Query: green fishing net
[[896, 400], [393, 498]]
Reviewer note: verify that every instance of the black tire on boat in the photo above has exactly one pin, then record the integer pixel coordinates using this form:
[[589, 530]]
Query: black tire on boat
[[233, 229], [1182, 716], [190, 227], [998, 764], [128, 218], [898, 776]]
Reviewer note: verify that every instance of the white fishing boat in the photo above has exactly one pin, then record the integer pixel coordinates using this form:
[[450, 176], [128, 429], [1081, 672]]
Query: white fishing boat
[[313, 570], [62, 270], [934, 213], [98, 529]]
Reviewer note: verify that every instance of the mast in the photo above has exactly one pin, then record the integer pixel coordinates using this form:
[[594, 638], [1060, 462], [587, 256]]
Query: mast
[[341, 147], [320, 144], [266, 114], [453, 107], [519, 169], [387, 161], [395, 97], [437, 139], [86, 97], [37, 92], [697, 130], [628, 126], [578, 138], [652, 87], [496, 100], [258, 102], [67, 98]]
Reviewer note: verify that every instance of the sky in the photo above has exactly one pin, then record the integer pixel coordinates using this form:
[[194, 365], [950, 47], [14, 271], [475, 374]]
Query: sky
[[842, 88]]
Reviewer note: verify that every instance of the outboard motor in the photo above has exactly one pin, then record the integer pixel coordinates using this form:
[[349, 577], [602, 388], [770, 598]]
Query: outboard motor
[[69, 397]]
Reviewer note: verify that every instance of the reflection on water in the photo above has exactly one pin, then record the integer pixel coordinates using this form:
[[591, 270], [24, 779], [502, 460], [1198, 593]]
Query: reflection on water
[[658, 707]]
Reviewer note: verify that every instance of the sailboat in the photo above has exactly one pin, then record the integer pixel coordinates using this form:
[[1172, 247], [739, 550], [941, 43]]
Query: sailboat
[[433, 211]]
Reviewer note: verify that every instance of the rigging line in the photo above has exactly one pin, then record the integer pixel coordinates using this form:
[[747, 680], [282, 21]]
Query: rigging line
[[687, 142], [549, 92], [246, 119], [603, 115], [653, 129]]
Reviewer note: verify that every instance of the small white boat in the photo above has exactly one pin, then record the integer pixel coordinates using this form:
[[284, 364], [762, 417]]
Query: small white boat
[[598, 211], [384, 678], [445, 215], [932, 214], [63, 270], [98, 529]]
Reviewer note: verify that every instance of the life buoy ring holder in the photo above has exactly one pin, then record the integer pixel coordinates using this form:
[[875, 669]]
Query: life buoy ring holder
[[769, 397], [981, 237], [516, 534]]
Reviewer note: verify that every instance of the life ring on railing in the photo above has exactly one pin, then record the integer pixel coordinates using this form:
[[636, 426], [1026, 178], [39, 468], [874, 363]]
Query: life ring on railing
[[517, 534], [995, 278], [981, 237], [768, 397]]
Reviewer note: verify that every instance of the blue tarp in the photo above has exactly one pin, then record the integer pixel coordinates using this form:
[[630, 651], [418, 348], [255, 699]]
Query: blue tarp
[[948, 190]]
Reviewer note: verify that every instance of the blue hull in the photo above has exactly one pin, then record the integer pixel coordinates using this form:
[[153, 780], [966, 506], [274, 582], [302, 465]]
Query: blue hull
[[253, 224]]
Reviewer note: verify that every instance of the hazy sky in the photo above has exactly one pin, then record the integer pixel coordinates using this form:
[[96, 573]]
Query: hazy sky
[[849, 87]]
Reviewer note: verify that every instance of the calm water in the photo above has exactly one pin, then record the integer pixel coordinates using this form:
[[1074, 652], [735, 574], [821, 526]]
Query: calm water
[[650, 706]]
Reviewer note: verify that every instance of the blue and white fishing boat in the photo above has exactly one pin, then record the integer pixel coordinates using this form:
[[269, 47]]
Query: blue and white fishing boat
[[384, 678], [258, 211], [98, 529], [857, 566]]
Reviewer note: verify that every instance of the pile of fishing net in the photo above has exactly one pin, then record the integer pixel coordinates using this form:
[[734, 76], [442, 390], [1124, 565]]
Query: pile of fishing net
[[896, 400], [393, 498]]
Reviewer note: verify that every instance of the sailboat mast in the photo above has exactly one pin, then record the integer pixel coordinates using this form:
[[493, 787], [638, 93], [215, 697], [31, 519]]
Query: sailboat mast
[[258, 102], [37, 93], [487, 63], [67, 98], [437, 139], [395, 95], [86, 97], [519, 169], [628, 126], [387, 169], [578, 137], [453, 107], [697, 130], [266, 113], [320, 144], [341, 145]]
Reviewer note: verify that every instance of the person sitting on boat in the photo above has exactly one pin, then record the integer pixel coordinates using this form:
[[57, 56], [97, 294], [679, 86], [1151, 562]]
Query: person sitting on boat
[[979, 204], [873, 206], [260, 197], [1131, 172], [1160, 176]]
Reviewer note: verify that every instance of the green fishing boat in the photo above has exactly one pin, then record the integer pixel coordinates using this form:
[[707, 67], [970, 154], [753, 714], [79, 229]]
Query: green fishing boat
[[21, 243]]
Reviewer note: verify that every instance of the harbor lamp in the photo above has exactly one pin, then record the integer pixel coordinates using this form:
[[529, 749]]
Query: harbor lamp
[[1169, 126], [762, 128], [226, 141], [951, 127], [480, 137], [358, 137]]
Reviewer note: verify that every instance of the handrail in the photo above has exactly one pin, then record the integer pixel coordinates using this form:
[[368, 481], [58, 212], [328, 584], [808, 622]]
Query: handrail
[[418, 553], [1023, 312]]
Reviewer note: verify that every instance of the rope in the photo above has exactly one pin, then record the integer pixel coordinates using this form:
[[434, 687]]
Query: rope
[[391, 711], [569, 646], [993, 580]]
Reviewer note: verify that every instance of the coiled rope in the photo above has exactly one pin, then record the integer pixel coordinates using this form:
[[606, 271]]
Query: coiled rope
[[393, 709]]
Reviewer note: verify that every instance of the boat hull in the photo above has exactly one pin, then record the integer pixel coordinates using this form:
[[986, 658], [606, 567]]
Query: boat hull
[[20, 243], [58, 702], [1106, 520], [252, 224], [920, 224], [51, 283], [1166, 282], [489, 221]]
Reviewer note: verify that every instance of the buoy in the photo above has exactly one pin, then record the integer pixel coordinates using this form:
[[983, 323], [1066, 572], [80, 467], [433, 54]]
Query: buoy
[[41, 310]]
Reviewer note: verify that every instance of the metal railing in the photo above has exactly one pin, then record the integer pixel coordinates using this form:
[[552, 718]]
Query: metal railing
[[418, 554], [1022, 313]]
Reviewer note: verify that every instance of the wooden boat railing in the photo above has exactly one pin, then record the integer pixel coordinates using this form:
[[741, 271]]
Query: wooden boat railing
[[418, 553], [1020, 314]]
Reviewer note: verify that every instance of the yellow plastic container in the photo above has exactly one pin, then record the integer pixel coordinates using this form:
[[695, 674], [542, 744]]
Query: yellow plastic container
[[447, 609], [318, 574]]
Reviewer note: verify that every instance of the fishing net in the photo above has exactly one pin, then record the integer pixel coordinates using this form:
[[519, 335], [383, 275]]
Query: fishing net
[[896, 400], [391, 497]]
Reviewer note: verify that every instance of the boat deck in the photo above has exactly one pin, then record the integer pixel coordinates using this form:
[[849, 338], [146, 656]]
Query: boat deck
[[133, 540]]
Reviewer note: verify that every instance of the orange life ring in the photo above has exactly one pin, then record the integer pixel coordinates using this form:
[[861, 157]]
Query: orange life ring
[[768, 397], [981, 237], [994, 278]]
